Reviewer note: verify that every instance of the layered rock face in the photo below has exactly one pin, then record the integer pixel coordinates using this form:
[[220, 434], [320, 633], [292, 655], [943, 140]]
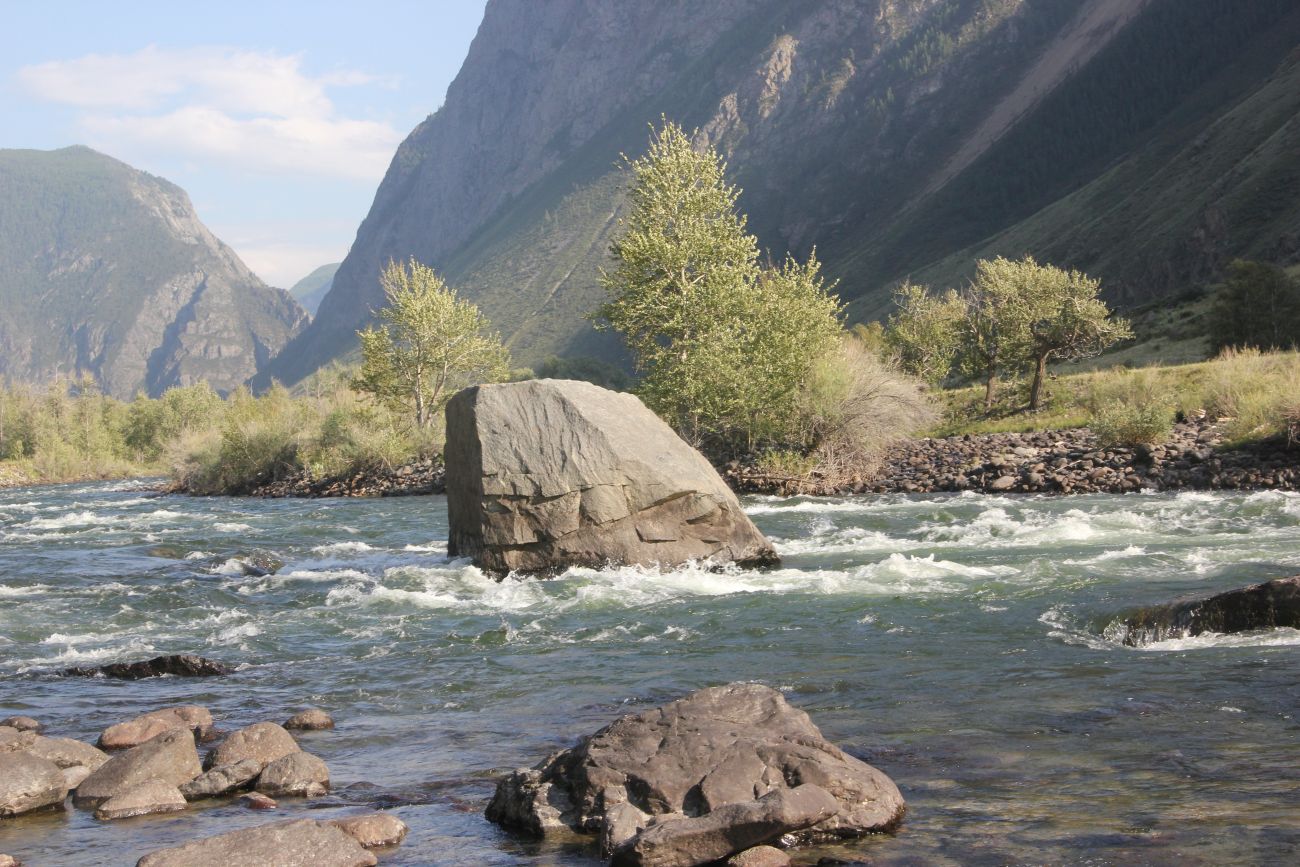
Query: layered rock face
[[1140, 140], [716, 772], [107, 271], [548, 474]]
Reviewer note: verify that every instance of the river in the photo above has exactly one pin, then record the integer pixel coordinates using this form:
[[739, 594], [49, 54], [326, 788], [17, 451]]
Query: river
[[958, 643]]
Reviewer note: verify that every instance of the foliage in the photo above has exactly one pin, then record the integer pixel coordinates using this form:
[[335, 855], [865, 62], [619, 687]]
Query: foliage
[[585, 368], [924, 334], [723, 344], [429, 345], [1258, 306], [1253, 392], [1053, 315], [853, 406], [1130, 408]]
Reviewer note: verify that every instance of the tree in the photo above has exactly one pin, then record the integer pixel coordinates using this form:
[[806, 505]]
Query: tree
[[429, 344], [722, 342], [1259, 307], [924, 334], [991, 339], [1055, 315]]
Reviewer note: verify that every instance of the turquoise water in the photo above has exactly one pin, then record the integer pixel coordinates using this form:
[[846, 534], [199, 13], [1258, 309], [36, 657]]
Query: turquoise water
[[958, 643]]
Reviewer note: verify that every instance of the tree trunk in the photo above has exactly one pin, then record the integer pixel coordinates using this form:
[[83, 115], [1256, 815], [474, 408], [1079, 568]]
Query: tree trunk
[[1036, 390], [990, 385]]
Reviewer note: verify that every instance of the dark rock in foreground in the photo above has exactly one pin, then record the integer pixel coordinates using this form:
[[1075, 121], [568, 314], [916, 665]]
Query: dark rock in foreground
[[300, 843], [549, 474], [178, 665], [1260, 606], [737, 756]]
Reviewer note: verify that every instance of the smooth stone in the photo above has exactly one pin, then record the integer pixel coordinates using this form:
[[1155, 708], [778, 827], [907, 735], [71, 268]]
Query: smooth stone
[[155, 796], [169, 757], [311, 719], [222, 780], [134, 732], [298, 843], [691, 840], [177, 665], [713, 747], [74, 775], [29, 783], [23, 724], [760, 856], [64, 752], [258, 801], [1002, 483], [264, 741], [298, 774], [373, 830], [10, 861], [547, 474]]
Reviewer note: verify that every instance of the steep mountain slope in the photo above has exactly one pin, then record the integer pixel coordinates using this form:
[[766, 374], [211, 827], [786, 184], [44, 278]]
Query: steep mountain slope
[[310, 290], [107, 271], [1148, 140]]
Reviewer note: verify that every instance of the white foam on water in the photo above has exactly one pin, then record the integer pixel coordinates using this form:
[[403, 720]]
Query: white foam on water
[[68, 520], [7, 591], [1114, 554], [430, 548], [341, 548], [231, 527], [1280, 637]]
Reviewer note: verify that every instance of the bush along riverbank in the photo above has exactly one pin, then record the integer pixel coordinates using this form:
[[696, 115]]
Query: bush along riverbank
[[421, 477], [1193, 457]]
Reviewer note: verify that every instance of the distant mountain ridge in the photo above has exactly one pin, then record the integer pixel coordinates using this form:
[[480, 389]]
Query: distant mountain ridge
[[1147, 141], [310, 290], [106, 271]]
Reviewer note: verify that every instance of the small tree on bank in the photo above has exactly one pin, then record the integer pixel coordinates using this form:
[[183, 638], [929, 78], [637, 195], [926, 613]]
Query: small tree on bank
[[1016, 315], [724, 344], [429, 344]]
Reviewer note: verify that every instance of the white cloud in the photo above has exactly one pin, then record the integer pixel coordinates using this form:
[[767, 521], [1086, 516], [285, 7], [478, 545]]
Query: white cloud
[[283, 264], [250, 109]]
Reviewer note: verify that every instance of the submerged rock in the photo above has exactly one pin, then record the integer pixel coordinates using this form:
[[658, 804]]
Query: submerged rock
[[134, 732], [265, 742], [154, 796], [170, 757], [548, 474], [1259, 606], [258, 801], [311, 719], [178, 665], [299, 843], [713, 749], [29, 783], [373, 830]]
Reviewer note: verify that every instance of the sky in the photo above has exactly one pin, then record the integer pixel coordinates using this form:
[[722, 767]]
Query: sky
[[278, 118]]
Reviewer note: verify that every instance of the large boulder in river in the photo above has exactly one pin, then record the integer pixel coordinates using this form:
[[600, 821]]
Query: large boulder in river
[[300, 843], [723, 747], [170, 757], [1260, 606], [29, 783], [548, 474]]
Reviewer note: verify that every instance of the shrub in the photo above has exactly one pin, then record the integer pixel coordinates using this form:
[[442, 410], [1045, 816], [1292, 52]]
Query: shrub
[[854, 405], [1128, 408], [1252, 392]]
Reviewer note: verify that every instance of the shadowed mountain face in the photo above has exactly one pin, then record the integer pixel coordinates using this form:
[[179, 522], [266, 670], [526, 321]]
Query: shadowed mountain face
[[311, 289], [1149, 141], [106, 271]]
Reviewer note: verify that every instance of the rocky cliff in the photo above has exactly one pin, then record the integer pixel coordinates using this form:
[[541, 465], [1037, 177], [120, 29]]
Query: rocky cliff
[[106, 271], [1147, 140]]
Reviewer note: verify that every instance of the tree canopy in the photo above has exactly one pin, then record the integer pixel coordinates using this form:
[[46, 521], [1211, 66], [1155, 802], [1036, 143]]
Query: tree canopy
[[428, 345]]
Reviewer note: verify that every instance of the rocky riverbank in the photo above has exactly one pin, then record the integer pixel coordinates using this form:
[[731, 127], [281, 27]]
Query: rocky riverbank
[[1059, 462], [1054, 462]]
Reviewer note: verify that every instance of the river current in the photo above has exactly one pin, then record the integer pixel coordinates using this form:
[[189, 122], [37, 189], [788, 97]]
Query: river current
[[958, 643]]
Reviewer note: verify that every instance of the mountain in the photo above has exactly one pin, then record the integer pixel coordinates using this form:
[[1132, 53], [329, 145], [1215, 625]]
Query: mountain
[[1147, 141], [311, 289], [106, 271]]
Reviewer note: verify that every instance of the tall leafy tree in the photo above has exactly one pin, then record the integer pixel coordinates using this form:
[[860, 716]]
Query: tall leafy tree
[[722, 342], [1259, 307], [925, 333], [428, 345]]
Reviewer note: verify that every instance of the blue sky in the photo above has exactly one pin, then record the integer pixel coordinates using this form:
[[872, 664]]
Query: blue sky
[[278, 118]]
